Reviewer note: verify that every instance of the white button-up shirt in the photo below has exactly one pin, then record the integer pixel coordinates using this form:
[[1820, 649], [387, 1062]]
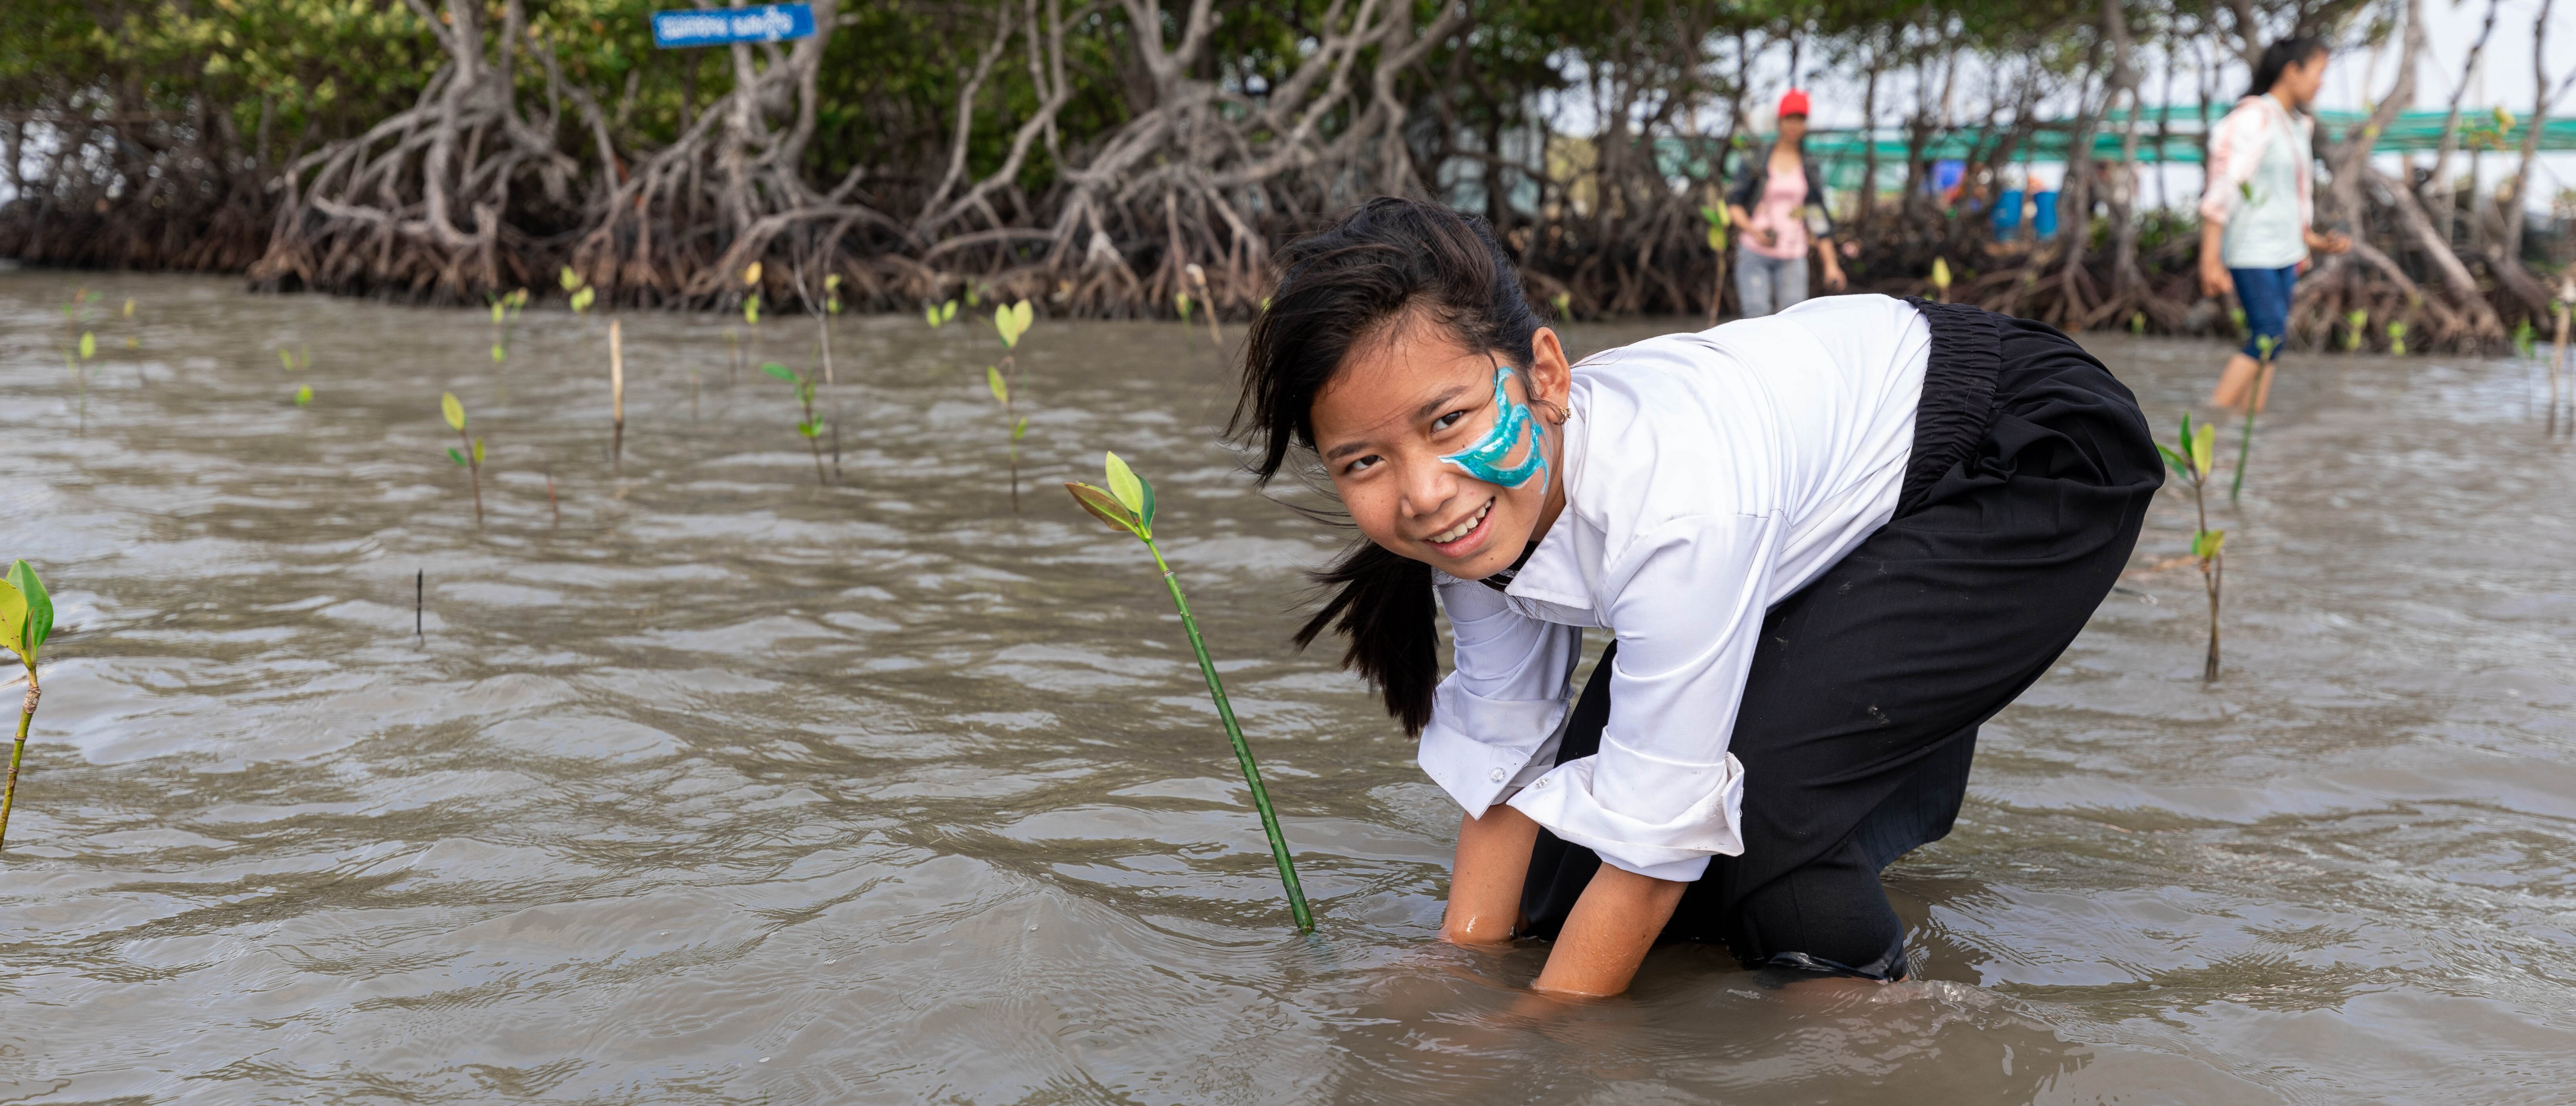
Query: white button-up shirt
[[1708, 476]]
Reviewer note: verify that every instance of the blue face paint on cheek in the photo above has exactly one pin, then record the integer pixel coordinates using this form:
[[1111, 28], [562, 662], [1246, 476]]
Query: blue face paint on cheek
[[1484, 458]]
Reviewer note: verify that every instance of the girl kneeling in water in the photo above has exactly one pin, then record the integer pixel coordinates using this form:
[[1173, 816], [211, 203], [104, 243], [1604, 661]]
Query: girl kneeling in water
[[1827, 545]]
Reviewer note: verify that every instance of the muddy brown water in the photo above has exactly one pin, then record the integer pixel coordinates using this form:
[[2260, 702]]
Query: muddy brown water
[[733, 787]]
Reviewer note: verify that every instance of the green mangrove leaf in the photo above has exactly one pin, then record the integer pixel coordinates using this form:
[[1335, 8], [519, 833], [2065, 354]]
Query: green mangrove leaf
[[453, 455], [751, 307], [810, 428], [1941, 272], [930, 314], [40, 607], [1104, 507], [2264, 345], [2205, 543], [13, 620], [751, 275], [582, 299], [568, 278], [993, 380], [831, 282], [1124, 484], [1182, 300], [1146, 516], [286, 359], [1020, 429], [478, 451], [778, 371], [129, 307], [499, 354], [2180, 466], [2204, 447], [498, 307], [454, 410], [89, 345], [303, 394], [948, 312], [1717, 238]]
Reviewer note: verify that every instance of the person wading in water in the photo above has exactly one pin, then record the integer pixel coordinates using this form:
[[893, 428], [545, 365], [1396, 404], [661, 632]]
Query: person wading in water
[[1826, 546], [1771, 204], [2254, 232]]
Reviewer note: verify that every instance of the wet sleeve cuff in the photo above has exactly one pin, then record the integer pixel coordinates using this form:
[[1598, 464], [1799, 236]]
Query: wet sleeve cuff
[[1708, 823], [1479, 749]]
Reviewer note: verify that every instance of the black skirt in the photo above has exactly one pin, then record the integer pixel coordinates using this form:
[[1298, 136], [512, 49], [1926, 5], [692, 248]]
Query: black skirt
[[2030, 475]]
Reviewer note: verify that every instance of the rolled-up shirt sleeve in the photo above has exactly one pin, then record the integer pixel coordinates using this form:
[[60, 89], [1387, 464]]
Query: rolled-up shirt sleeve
[[1500, 705], [1664, 794]]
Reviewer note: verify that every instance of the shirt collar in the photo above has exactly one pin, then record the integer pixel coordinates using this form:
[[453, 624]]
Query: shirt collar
[[1549, 571]]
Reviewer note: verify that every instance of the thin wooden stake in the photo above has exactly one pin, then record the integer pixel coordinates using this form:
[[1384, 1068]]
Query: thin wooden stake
[[419, 595], [551, 505], [616, 402]]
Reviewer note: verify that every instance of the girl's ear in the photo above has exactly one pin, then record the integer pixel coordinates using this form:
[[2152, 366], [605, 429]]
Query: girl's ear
[[1551, 376]]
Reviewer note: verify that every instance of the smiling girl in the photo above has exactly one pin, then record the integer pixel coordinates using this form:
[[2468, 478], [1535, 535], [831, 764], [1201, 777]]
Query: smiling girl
[[1826, 546]]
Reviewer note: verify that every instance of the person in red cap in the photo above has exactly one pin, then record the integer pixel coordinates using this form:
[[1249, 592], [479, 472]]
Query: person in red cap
[[1778, 209]]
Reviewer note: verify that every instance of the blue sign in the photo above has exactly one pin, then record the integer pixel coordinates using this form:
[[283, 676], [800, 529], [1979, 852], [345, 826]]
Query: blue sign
[[725, 26]]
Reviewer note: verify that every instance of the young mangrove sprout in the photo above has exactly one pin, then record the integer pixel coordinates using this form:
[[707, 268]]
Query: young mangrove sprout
[[1207, 299], [939, 314], [133, 330], [2192, 461], [1941, 277], [1011, 322], [1715, 216], [1127, 505], [811, 426], [504, 308], [1562, 301], [2356, 324], [579, 292], [303, 392], [2397, 338], [2253, 404], [470, 458], [26, 617]]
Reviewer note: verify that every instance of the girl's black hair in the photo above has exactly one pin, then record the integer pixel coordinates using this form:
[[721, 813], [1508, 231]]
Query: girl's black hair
[[1386, 262], [2282, 55]]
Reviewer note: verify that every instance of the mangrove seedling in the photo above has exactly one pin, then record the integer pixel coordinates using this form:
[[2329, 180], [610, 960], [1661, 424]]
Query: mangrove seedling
[[939, 314], [1010, 322], [504, 308], [1941, 277], [2397, 338], [2265, 344], [1207, 299], [303, 395], [469, 458], [1562, 301], [2355, 323], [1715, 216], [2236, 318], [2192, 462], [1127, 505], [811, 426], [26, 617], [579, 291], [133, 334]]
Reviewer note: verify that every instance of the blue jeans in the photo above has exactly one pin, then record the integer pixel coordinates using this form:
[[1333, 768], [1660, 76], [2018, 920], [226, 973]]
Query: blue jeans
[[1767, 284], [2266, 296]]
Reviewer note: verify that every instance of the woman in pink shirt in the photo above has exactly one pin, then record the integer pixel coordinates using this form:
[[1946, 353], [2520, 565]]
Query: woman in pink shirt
[[1772, 244]]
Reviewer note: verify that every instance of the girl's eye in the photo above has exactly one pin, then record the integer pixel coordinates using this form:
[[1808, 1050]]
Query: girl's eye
[[1361, 465], [1444, 422]]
